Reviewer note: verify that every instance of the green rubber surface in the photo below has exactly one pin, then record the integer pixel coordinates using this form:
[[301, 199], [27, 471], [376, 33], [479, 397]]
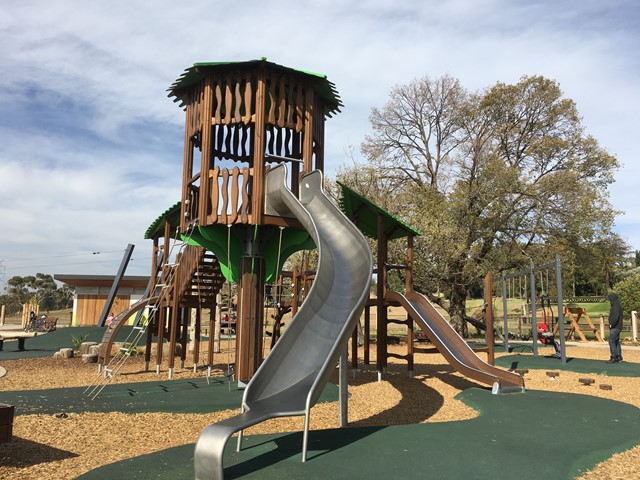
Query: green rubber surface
[[578, 365], [189, 395], [533, 435]]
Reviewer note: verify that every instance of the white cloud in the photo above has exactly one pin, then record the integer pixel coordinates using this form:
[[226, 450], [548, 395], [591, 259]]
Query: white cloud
[[90, 146]]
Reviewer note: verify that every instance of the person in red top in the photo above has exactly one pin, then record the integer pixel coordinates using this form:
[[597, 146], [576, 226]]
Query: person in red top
[[546, 338]]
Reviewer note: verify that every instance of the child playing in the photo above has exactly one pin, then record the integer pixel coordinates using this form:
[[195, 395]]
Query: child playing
[[546, 338]]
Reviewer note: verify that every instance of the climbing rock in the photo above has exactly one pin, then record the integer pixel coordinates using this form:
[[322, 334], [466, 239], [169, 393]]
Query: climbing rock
[[85, 346], [90, 358]]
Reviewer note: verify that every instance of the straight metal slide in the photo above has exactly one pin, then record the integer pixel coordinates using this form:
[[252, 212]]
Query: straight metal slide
[[293, 375], [453, 347]]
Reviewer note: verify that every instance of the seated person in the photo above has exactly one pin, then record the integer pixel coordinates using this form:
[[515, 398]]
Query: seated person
[[546, 338]]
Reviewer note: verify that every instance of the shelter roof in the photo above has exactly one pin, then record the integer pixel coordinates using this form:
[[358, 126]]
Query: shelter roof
[[128, 281], [193, 75], [364, 213]]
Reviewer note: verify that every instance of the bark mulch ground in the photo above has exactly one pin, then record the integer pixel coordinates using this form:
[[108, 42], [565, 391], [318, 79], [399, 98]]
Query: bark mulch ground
[[55, 446]]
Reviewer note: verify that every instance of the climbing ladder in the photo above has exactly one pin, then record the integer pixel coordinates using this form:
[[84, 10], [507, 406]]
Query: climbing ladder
[[109, 364], [193, 278]]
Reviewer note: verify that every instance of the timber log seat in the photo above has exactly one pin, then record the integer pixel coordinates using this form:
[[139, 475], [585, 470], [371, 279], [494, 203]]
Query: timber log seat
[[16, 335], [6, 422]]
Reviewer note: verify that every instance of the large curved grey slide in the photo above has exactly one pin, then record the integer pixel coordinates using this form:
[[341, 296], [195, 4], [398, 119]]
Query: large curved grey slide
[[453, 347], [293, 375]]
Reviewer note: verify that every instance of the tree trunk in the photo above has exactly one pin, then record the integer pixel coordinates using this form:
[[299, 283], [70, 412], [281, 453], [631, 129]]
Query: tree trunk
[[457, 309]]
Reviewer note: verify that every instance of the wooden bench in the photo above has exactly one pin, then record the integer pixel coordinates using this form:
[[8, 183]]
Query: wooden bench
[[15, 335], [50, 324]]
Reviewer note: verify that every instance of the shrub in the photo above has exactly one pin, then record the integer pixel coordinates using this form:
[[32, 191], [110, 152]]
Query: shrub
[[628, 291], [77, 341]]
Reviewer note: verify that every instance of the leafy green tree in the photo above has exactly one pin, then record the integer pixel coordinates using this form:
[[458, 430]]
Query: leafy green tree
[[40, 289], [492, 179], [628, 291]]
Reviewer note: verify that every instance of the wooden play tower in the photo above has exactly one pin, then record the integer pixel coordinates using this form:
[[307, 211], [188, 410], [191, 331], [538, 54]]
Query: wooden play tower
[[240, 118]]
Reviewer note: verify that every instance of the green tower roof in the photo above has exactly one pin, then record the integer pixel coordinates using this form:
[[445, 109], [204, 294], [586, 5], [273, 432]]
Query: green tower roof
[[193, 75]]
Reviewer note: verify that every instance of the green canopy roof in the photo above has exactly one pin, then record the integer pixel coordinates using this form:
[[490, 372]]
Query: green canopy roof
[[193, 75], [172, 214], [364, 213]]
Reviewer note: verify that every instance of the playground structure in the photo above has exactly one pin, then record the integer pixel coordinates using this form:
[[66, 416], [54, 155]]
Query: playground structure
[[240, 224], [547, 316], [260, 114]]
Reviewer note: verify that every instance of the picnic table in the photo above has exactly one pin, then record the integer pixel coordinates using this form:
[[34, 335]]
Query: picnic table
[[19, 335]]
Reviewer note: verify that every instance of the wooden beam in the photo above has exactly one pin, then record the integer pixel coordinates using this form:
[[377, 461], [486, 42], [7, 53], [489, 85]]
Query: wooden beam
[[307, 147], [257, 199], [206, 113]]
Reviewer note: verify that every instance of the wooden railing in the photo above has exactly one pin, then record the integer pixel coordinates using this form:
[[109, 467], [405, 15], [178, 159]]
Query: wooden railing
[[230, 196]]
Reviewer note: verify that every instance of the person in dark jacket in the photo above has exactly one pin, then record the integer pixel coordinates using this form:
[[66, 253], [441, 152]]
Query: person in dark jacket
[[615, 327]]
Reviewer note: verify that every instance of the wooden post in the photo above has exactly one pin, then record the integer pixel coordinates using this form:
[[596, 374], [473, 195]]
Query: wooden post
[[2, 312], [367, 336], [205, 115], [380, 293], [602, 327], [249, 323], [187, 169], [634, 326], [257, 197], [488, 306], [307, 147]]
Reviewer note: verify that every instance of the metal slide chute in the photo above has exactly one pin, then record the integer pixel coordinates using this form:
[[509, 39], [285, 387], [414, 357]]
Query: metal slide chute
[[453, 347], [293, 375]]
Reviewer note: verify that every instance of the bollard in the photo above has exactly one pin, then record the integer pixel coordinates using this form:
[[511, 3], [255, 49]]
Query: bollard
[[634, 325], [602, 326]]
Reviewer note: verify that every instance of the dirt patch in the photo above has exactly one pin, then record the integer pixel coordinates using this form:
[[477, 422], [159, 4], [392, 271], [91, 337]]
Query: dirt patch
[[46, 446]]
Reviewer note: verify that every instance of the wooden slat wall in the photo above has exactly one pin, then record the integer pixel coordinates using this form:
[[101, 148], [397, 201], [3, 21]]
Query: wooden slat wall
[[89, 307], [224, 123]]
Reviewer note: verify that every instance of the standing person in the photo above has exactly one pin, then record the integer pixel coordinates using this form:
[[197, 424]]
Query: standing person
[[615, 327]]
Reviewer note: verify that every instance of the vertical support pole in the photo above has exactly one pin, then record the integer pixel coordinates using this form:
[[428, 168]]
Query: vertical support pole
[[206, 113], [2, 313], [214, 326], [197, 332], [505, 312], [187, 165], [344, 389], [173, 333], [634, 326], [367, 337], [380, 293], [563, 349], [307, 142], [185, 314], [409, 271], [257, 196], [116, 283], [408, 288], [488, 305], [163, 313], [249, 323], [354, 348], [534, 319]]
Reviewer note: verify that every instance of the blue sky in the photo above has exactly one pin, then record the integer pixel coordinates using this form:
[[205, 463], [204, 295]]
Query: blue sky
[[91, 147]]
